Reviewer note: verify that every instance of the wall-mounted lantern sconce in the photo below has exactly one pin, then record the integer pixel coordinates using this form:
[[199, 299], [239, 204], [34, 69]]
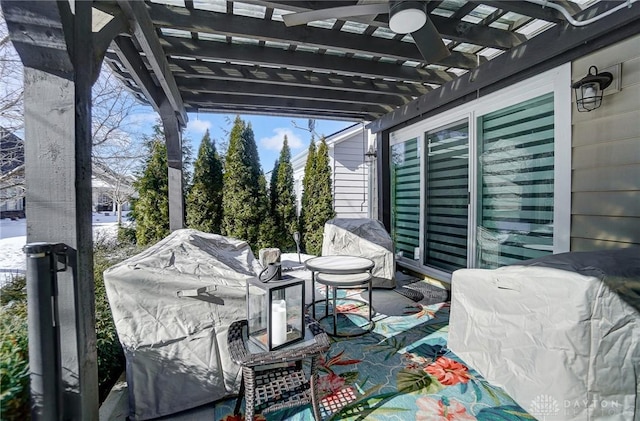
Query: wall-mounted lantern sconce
[[589, 89], [370, 155]]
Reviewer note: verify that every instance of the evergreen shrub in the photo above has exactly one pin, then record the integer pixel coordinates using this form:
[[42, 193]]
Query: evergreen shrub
[[245, 202], [317, 197], [14, 356], [126, 235], [204, 199], [14, 349]]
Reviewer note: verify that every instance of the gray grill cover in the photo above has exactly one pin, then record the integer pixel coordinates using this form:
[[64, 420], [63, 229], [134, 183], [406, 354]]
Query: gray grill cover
[[560, 334], [176, 347], [366, 238]]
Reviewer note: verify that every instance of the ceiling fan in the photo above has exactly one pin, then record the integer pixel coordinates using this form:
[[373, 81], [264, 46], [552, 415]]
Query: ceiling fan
[[405, 16]]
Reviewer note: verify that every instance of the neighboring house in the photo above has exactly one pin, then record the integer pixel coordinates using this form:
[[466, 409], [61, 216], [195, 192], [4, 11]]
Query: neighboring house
[[110, 191], [351, 186], [11, 175], [518, 172], [108, 188]]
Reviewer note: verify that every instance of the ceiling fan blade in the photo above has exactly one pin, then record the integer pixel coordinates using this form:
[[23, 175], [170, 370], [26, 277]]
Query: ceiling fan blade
[[429, 42], [369, 18], [294, 19]]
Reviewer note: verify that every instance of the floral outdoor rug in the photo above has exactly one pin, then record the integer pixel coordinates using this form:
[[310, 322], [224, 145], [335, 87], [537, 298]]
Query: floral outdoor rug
[[402, 370]]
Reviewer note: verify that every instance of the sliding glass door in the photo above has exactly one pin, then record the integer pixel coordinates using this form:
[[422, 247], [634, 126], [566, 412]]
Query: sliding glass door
[[515, 183], [446, 197], [485, 184], [405, 198]]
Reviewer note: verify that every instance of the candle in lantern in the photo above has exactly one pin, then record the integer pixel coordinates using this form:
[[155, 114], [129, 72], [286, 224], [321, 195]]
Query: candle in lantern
[[279, 322]]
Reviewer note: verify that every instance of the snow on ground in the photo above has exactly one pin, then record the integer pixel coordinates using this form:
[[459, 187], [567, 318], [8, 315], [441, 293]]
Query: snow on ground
[[13, 237]]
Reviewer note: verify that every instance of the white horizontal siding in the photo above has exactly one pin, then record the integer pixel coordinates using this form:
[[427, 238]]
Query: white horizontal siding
[[349, 174], [605, 210], [350, 178]]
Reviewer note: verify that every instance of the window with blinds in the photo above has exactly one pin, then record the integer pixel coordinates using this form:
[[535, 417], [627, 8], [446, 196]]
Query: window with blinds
[[447, 197], [515, 183], [405, 198]]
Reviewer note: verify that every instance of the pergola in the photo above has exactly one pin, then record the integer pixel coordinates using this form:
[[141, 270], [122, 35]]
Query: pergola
[[222, 56]]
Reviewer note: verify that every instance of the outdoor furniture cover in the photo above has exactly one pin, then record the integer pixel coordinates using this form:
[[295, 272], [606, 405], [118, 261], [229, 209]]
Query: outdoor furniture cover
[[560, 334], [172, 306], [365, 238]]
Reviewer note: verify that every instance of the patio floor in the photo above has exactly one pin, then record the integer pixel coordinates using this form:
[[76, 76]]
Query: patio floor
[[400, 371]]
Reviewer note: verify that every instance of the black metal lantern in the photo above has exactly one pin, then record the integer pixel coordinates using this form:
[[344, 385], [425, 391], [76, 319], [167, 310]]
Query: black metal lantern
[[589, 89], [275, 312]]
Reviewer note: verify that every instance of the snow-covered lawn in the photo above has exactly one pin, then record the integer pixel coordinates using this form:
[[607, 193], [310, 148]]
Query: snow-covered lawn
[[13, 237]]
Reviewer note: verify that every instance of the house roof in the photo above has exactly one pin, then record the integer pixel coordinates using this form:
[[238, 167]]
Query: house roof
[[12, 148], [239, 57], [348, 132]]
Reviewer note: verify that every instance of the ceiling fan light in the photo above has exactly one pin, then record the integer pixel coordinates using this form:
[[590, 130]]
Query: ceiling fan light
[[407, 16]]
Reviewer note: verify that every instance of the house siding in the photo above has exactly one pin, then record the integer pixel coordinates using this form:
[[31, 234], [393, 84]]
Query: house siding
[[605, 171], [12, 188], [350, 177], [349, 173]]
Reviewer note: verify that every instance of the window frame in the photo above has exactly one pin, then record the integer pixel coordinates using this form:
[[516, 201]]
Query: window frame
[[558, 81]]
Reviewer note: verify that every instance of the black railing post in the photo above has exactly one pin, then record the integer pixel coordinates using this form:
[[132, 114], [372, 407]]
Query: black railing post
[[44, 334]]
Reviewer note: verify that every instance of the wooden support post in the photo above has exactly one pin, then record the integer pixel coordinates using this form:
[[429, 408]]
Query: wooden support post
[[173, 137], [58, 194], [56, 46]]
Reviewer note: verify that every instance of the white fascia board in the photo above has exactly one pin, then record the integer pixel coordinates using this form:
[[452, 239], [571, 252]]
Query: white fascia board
[[344, 134]]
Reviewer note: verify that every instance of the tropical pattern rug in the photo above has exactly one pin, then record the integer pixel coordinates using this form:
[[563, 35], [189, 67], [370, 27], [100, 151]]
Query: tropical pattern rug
[[402, 370]]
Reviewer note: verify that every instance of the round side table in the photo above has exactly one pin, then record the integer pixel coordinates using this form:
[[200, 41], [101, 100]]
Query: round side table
[[343, 271], [348, 281]]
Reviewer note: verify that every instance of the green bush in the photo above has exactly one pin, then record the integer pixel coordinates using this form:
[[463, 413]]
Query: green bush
[[14, 361], [14, 366], [110, 355], [126, 235], [14, 291]]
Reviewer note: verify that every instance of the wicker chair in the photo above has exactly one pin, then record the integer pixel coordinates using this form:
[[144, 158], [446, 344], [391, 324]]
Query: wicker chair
[[276, 380]]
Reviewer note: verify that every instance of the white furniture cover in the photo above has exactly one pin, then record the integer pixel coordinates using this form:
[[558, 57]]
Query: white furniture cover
[[365, 238], [172, 305], [560, 334]]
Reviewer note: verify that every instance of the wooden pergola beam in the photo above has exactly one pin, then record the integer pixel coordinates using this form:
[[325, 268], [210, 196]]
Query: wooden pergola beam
[[276, 112], [526, 9], [461, 31], [106, 27], [450, 28], [145, 34], [253, 54], [172, 110], [210, 101], [112, 60], [197, 69], [253, 89], [129, 57], [173, 137], [265, 30], [557, 45]]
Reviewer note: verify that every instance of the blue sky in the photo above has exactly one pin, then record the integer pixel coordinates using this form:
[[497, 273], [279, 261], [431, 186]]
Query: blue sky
[[269, 132]]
